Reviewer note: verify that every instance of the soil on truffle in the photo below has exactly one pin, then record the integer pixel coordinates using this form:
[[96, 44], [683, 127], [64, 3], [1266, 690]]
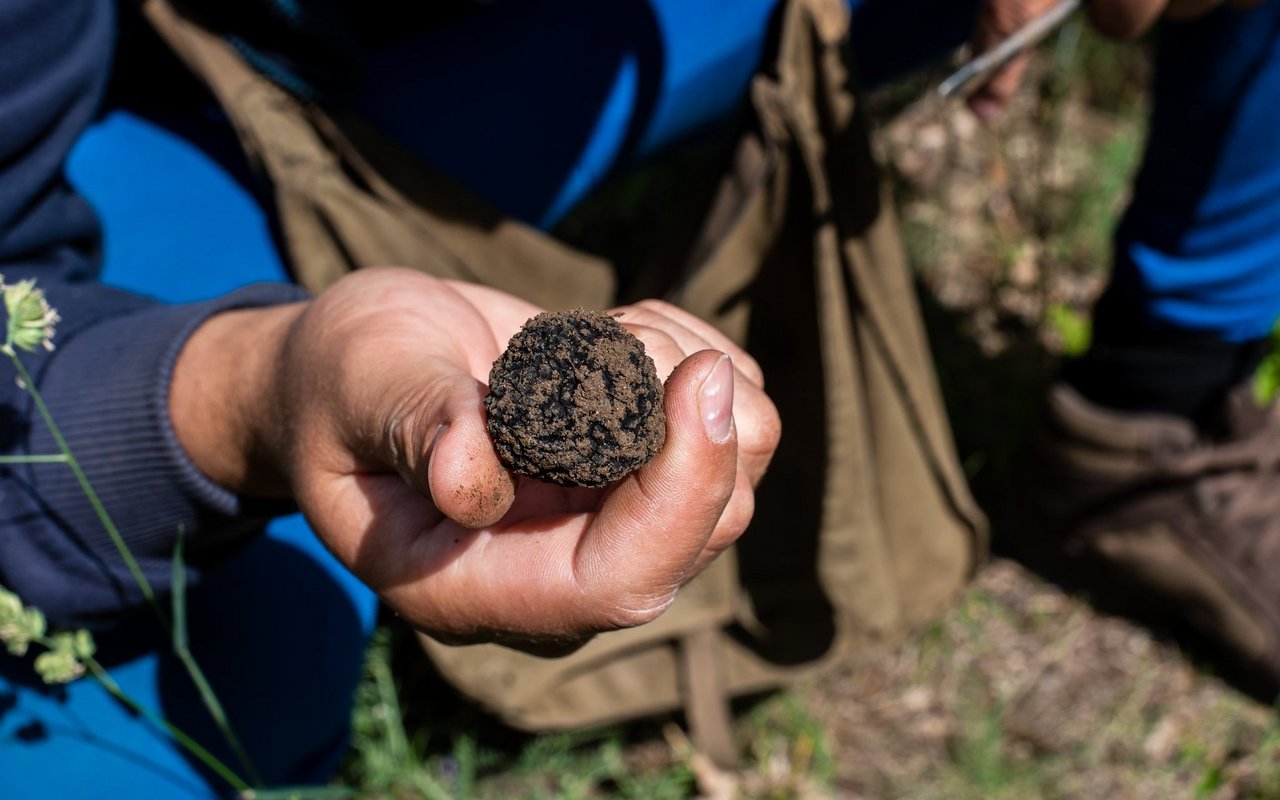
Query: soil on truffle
[[575, 401]]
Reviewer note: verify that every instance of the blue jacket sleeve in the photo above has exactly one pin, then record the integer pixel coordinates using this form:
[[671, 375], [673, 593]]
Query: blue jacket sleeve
[[107, 381]]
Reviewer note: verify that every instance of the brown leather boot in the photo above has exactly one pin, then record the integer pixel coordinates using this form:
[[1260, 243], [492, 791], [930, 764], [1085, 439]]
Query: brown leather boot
[[1146, 510]]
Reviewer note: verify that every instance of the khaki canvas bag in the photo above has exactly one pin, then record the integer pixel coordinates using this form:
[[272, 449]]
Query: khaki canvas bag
[[864, 526]]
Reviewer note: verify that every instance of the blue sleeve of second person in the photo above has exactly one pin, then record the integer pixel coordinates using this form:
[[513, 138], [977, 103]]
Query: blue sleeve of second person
[[106, 383]]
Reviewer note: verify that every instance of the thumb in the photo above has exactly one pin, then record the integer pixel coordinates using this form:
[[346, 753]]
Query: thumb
[[657, 522], [448, 456]]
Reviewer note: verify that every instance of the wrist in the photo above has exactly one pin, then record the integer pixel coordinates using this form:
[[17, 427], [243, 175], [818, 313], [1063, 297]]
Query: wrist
[[223, 399]]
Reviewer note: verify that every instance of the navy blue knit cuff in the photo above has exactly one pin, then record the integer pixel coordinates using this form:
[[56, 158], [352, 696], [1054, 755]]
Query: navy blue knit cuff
[[108, 391]]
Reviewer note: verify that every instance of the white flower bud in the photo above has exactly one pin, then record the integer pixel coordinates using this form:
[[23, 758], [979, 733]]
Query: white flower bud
[[31, 320]]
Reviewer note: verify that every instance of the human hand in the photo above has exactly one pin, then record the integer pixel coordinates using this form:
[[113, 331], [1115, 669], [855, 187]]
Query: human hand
[[375, 424], [1121, 19]]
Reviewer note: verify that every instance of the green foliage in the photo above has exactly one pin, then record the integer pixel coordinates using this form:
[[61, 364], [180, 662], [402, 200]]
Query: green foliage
[[396, 754], [1082, 233], [300, 793], [66, 657], [385, 762], [30, 319], [19, 625], [1266, 379], [1210, 781], [1267, 763], [673, 783], [783, 731], [980, 756], [65, 654], [1074, 329], [1111, 74]]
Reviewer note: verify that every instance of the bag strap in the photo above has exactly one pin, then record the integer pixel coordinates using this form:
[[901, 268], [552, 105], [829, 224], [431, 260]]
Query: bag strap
[[806, 104], [702, 674]]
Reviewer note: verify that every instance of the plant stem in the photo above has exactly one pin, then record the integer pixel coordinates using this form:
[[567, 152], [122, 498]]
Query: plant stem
[[209, 759], [183, 652], [103, 677], [89, 493], [393, 733], [56, 458], [392, 724], [205, 690], [214, 707]]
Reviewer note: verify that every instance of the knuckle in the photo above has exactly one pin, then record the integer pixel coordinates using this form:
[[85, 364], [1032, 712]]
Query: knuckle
[[710, 503], [749, 367], [760, 433], [735, 518], [771, 424], [737, 515], [651, 336], [631, 609], [757, 449], [659, 307], [640, 314]]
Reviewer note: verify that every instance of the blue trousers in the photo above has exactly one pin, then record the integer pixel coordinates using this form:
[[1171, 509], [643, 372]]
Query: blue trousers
[[531, 105], [1199, 246]]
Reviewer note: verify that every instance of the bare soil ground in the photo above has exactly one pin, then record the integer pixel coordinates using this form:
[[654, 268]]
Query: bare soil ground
[[1025, 692], [1022, 690]]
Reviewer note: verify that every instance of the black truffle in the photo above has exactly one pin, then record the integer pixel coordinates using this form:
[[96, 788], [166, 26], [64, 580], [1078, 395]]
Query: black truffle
[[575, 400]]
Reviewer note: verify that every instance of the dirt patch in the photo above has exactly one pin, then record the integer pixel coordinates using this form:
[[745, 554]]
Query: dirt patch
[[1025, 692]]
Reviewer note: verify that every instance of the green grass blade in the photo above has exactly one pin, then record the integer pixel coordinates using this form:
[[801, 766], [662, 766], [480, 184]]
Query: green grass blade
[[183, 652], [192, 746], [300, 793], [92, 496], [55, 458], [179, 593], [177, 631]]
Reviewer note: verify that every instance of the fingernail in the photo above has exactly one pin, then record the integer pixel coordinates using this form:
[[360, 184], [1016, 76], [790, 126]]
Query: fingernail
[[715, 401]]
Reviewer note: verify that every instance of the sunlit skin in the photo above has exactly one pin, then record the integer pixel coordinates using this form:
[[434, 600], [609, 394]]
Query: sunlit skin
[[366, 406]]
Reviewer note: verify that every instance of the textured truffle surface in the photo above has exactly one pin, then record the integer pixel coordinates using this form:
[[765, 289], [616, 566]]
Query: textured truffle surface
[[575, 400]]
